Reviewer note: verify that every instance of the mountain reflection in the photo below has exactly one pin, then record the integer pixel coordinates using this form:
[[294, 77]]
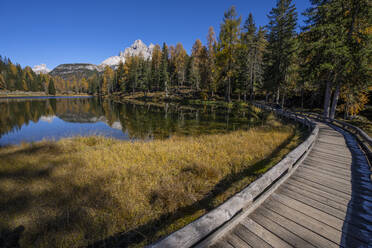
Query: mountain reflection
[[136, 121]]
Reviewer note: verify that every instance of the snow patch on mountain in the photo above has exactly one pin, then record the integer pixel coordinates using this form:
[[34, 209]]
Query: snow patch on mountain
[[42, 68], [136, 49]]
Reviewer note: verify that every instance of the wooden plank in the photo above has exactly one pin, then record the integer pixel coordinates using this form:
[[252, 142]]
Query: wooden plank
[[249, 237], [329, 160], [221, 244], [279, 230], [321, 181], [332, 156], [294, 227], [352, 217], [327, 169], [318, 196], [333, 149], [325, 142], [236, 242], [320, 187], [264, 234], [320, 219], [325, 191], [300, 218], [348, 188], [344, 154], [310, 202], [330, 178], [335, 165]]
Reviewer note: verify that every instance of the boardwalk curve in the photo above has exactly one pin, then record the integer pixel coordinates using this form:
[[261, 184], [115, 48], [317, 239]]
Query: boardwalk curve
[[319, 195]]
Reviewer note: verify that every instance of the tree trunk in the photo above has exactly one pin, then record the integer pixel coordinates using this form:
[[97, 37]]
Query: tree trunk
[[228, 90], [267, 98], [334, 102], [277, 96], [283, 98], [302, 98], [245, 96], [327, 100]]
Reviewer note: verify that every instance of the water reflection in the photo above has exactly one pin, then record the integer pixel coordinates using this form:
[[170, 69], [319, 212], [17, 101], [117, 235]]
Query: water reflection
[[54, 118]]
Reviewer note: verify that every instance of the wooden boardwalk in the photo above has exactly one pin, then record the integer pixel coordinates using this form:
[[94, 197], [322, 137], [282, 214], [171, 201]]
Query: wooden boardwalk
[[327, 202]]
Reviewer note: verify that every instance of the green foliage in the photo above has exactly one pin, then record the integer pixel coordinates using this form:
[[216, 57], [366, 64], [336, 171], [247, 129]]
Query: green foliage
[[51, 88]]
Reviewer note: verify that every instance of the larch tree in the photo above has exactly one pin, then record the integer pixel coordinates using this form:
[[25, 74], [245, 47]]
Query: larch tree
[[212, 45], [180, 62], [226, 49], [196, 63]]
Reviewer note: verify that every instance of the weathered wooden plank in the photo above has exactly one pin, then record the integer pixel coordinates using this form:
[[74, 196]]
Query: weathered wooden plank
[[310, 202], [322, 175], [279, 230], [329, 160], [300, 218], [322, 219], [321, 181], [221, 244], [355, 218], [318, 196], [299, 230], [335, 165], [345, 153], [249, 237], [332, 156], [264, 234], [333, 149], [325, 142], [327, 169], [325, 191], [359, 188], [236, 241]]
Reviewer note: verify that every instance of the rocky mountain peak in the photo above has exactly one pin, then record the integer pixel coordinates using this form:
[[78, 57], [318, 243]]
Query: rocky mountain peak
[[136, 49], [42, 68]]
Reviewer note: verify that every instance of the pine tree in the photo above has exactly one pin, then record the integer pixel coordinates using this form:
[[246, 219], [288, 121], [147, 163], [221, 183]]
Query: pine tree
[[337, 50], [155, 67], [164, 74], [51, 88], [120, 76], [281, 46]]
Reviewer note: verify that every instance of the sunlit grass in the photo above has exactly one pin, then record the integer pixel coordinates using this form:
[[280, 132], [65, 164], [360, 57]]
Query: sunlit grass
[[78, 191]]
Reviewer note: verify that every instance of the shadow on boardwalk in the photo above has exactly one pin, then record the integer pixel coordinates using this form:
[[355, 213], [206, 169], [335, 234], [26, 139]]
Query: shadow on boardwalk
[[358, 220]]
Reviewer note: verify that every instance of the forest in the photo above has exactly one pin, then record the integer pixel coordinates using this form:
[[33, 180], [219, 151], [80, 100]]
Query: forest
[[327, 64]]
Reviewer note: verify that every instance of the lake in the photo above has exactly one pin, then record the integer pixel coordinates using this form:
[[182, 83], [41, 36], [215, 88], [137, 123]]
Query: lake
[[53, 118]]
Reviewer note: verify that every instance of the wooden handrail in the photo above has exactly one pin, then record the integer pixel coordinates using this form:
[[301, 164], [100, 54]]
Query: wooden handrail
[[249, 198]]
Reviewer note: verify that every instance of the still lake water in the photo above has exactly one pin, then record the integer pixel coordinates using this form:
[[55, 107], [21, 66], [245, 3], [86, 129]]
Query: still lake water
[[35, 119]]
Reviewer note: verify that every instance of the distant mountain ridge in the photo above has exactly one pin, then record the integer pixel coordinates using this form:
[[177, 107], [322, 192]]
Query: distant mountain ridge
[[79, 70]]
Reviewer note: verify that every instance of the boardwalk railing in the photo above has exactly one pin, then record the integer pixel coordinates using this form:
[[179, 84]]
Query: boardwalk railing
[[220, 220], [363, 138]]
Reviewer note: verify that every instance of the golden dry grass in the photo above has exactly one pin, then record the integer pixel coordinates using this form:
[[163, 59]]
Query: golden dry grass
[[78, 191]]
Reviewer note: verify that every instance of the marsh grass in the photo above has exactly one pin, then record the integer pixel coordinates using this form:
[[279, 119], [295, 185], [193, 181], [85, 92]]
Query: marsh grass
[[103, 192]]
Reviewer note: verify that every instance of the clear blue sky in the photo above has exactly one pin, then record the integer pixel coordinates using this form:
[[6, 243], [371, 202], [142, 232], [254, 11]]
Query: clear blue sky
[[56, 32]]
